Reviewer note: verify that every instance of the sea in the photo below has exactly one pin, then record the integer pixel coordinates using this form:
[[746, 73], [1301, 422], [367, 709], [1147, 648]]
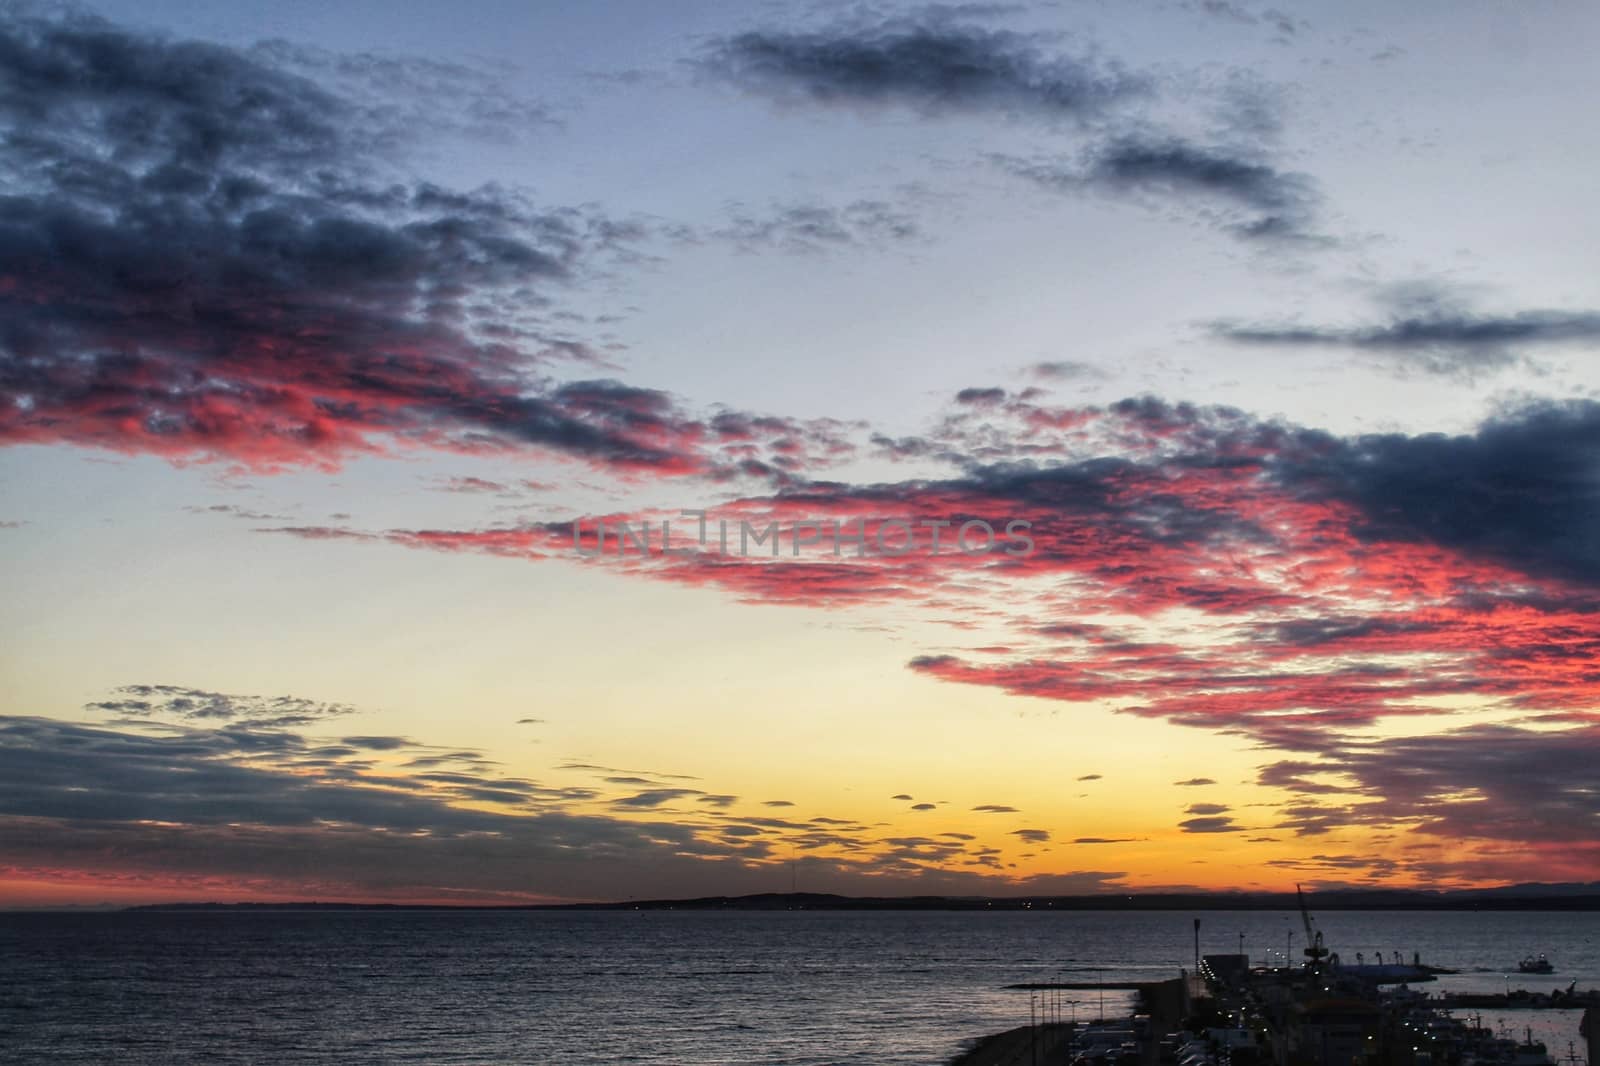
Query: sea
[[679, 987]]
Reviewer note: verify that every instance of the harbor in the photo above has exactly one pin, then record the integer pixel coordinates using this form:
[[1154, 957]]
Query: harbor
[[1318, 1010]]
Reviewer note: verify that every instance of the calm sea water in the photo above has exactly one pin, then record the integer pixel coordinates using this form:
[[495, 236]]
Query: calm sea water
[[664, 987]]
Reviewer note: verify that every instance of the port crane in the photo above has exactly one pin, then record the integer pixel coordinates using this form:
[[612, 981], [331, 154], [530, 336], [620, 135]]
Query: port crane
[[1314, 951]]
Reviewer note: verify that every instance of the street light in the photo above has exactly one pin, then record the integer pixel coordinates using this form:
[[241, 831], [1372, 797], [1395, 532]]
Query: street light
[[1033, 1028]]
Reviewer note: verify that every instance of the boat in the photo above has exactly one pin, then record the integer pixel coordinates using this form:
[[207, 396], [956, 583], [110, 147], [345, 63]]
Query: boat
[[1535, 965]]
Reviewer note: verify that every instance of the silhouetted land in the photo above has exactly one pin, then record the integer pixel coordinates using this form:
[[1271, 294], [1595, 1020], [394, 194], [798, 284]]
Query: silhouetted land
[[1574, 897]]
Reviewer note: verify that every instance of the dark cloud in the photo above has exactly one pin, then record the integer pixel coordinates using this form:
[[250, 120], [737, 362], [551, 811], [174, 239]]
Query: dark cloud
[[216, 253], [981, 397], [937, 68], [813, 227], [654, 797], [472, 485], [1276, 204], [1090, 777], [1520, 490], [1220, 824], [1283, 24], [994, 808], [1294, 587], [247, 804], [1448, 342], [1032, 836], [263, 806], [379, 743], [191, 704], [924, 806], [1499, 783], [652, 774], [1106, 840], [1067, 370]]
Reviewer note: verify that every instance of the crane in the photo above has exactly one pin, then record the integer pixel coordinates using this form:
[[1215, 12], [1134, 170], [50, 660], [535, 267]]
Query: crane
[[1314, 951]]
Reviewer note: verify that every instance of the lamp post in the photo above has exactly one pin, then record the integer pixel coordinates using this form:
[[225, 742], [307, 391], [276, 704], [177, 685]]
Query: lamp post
[[1033, 1028]]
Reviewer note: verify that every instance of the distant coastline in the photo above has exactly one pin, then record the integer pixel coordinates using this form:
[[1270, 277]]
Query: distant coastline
[[1533, 897]]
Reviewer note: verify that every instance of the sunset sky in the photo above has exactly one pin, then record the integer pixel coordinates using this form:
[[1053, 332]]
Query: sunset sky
[[321, 324]]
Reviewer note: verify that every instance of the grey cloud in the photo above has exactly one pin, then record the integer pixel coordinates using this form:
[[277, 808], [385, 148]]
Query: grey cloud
[[1496, 782], [191, 704], [815, 227], [934, 69], [1277, 204], [201, 228], [1067, 370], [1443, 342], [654, 797], [1219, 824]]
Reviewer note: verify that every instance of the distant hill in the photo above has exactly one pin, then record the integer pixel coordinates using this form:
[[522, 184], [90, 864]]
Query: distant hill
[[1578, 897]]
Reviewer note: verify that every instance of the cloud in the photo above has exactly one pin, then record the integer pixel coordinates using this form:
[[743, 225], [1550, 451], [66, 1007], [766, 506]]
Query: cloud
[[938, 68], [1283, 24], [1431, 328], [191, 704], [1032, 836], [815, 227], [216, 253], [1276, 204], [1266, 532], [1517, 491], [1445, 343], [1284, 585], [933, 69], [181, 811], [378, 743], [1106, 840], [1067, 370], [1500, 783], [1222, 824], [655, 797], [994, 808]]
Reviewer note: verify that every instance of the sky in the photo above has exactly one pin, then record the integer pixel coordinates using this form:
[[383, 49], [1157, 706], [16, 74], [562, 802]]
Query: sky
[[1240, 359]]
